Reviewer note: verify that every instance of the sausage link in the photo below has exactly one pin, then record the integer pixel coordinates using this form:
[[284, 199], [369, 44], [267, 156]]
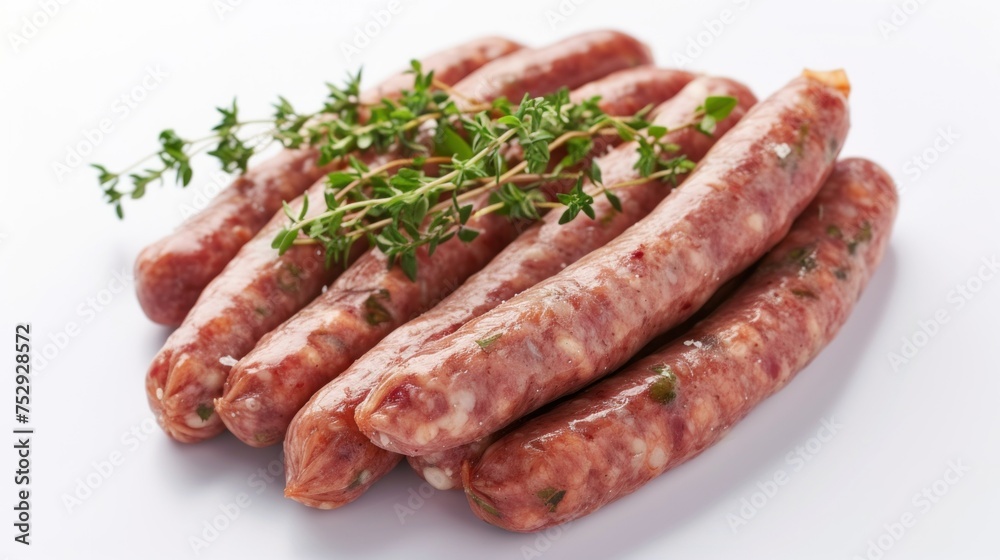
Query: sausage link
[[328, 461], [588, 320], [666, 408], [172, 272], [272, 382], [259, 405], [256, 292], [547, 248], [569, 63]]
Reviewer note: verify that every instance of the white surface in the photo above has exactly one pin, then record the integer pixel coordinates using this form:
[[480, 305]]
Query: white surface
[[61, 245]]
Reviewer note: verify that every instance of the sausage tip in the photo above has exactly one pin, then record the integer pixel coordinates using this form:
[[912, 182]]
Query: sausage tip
[[836, 79]]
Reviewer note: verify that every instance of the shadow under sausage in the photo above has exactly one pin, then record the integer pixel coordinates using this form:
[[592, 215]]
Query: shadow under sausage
[[783, 421]]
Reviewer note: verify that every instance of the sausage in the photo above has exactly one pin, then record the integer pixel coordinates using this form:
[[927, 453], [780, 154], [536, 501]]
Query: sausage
[[547, 248], [588, 320], [666, 408], [272, 382], [257, 292], [254, 293], [172, 272], [328, 461], [569, 63]]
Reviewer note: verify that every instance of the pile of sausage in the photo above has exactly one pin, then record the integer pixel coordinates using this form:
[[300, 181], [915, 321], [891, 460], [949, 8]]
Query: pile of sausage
[[529, 366]]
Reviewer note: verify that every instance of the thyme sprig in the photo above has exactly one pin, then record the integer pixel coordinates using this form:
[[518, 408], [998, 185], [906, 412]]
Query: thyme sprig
[[497, 156], [403, 209], [335, 130]]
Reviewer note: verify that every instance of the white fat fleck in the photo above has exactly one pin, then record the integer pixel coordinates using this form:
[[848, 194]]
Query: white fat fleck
[[437, 478], [462, 403], [638, 446], [159, 393], [363, 476], [782, 150], [756, 221], [697, 344], [671, 275], [264, 375], [252, 404], [194, 421], [738, 349], [228, 361], [570, 347], [657, 458], [533, 349], [386, 444], [214, 380], [463, 400], [426, 432], [325, 288]]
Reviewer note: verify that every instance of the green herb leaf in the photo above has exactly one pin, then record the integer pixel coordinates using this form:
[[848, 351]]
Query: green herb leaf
[[551, 497], [205, 411], [486, 343], [664, 388]]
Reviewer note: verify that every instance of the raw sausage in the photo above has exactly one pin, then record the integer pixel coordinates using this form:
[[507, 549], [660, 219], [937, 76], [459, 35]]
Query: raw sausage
[[253, 294], [259, 290], [668, 407], [588, 320], [172, 272], [328, 461], [272, 382], [547, 248]]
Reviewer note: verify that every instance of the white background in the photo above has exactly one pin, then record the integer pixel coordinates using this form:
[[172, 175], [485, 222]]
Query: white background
[[900, 428]]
